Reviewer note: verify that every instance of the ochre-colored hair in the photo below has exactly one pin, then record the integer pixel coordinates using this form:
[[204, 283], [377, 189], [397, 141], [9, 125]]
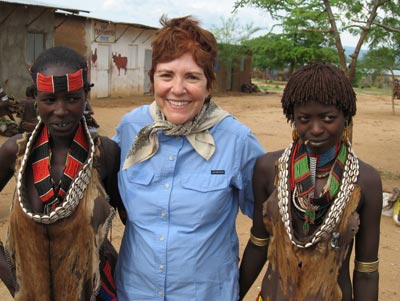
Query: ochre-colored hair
[[319, 82], [184, 35]]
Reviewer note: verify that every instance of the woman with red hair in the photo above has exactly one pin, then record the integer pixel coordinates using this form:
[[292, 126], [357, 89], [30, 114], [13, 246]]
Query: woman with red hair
[[186, 168]]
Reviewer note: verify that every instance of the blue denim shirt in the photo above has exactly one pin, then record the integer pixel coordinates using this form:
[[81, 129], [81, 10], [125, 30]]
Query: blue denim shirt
[[180, 240]]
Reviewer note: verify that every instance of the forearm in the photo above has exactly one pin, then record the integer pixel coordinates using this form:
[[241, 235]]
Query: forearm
[[6, 274], [366, 286], [253, 260]]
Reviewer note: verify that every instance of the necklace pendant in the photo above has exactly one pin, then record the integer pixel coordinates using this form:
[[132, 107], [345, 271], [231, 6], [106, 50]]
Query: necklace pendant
[[322, 175], [309, 215], [306, 228]]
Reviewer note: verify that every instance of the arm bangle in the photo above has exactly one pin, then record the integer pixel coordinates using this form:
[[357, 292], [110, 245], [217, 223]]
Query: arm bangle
[[366, 267], [259, 242]]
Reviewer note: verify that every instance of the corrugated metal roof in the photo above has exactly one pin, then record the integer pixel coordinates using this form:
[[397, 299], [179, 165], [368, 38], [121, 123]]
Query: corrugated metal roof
[[87, 16], [63, 9], [44, 4]]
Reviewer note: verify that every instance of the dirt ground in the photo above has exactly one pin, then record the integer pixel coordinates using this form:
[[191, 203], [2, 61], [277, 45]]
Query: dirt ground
[[376, 140]]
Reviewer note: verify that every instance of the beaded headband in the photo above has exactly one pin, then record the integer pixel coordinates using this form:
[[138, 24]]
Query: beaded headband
[[62, 83]]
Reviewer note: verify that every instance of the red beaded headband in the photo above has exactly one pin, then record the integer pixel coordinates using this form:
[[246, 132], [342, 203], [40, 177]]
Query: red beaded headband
[[63, 83]]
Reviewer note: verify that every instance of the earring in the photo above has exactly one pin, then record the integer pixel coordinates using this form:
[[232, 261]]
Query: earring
[[345, 134], [294, 132]]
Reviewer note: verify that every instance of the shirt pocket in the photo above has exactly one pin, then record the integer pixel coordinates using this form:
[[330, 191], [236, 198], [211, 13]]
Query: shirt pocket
[[140, 176], [210, 195]]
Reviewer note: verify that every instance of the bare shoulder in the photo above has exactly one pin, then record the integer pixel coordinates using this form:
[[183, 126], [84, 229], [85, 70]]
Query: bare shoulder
[[109, 156], [268, 160], [110, 146], [9, 148], [264, 171], [370, 183], [8, 157], [368, 177]]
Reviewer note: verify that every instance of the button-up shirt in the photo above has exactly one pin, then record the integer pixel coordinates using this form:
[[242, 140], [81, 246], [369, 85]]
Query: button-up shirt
[[180, 240]]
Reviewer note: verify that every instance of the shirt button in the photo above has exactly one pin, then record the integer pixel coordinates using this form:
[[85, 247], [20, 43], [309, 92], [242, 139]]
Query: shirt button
[[161, 267], [163, 213], [166, 185], [161, 238], [171, 158], [161, 293]]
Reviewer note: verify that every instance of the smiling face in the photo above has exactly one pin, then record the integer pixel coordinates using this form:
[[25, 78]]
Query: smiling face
[[61, 111], [320, 124], [180, 89]]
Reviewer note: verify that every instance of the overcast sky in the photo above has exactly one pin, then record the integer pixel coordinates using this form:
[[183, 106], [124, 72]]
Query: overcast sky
[[148, 12]]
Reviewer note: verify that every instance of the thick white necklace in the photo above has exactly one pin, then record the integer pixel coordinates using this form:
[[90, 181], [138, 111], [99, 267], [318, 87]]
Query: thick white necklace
[[334, 213], [75, 191]]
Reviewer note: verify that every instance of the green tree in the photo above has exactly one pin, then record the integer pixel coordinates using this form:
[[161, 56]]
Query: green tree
[[232, 32], [279, 51], [367, 20], [380, 61], [230, 37]]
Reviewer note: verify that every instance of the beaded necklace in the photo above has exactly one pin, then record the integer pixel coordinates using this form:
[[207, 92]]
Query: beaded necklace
[[75, 191], [303, 173], [335, 211], [50, 192]]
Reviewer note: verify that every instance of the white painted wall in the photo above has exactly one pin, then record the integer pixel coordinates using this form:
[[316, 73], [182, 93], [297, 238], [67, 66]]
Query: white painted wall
[[128, 41]]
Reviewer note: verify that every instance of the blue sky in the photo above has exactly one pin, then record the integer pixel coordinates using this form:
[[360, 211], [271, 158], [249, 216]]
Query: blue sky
[[148, 12]]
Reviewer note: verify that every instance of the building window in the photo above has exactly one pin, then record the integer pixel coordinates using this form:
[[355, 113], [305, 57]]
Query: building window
[[35, 46]]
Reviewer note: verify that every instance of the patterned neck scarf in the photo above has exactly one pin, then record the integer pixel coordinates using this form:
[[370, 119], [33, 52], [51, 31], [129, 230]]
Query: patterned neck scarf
[[302, 183], [52, 194], [196, 131]]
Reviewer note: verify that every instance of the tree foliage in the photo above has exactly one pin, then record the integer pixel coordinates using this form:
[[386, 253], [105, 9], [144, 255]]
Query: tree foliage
[[279, 51], [232, 32], [230, 37], [380, 62], [369, 21]]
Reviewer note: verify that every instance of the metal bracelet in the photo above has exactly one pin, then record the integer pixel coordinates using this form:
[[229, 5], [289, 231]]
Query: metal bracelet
[[259, 242], [366, 267]]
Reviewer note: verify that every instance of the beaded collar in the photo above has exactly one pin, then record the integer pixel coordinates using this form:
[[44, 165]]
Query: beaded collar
[[75, 191], [334, 213]]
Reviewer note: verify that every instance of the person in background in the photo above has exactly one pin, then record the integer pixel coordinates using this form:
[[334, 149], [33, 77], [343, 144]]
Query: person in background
[[313, 199], [186, 169], [56, 246], [8, 126], [27, 111]]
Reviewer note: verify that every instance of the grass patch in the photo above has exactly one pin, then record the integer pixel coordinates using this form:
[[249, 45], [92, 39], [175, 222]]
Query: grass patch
[[268, 85]]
